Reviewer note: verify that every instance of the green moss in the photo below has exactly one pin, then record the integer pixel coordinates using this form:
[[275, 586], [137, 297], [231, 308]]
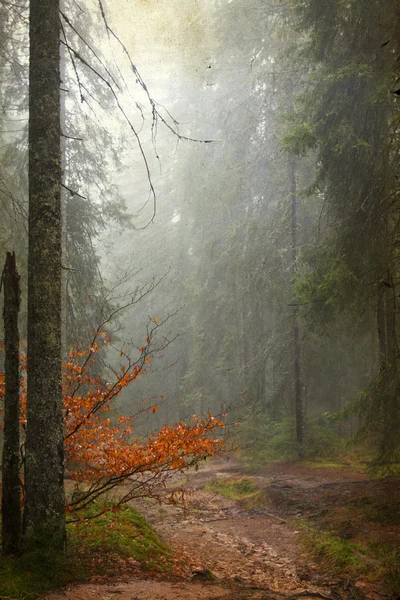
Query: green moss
[[123, 534], [104, 546], [32, 574]]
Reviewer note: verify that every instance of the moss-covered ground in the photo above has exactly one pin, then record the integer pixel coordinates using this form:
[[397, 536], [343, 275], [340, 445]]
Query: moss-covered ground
[[115, 543]]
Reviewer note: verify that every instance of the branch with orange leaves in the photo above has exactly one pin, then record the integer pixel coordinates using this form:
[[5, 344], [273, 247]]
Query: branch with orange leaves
[[101, 451], [143, 467], [106, 455]]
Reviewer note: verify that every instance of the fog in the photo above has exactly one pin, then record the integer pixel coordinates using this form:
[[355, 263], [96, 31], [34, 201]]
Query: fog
[[228, 187], [199, 222]]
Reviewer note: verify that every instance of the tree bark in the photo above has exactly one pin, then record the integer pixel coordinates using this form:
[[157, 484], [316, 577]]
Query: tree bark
[[44, 519], [11, 492]]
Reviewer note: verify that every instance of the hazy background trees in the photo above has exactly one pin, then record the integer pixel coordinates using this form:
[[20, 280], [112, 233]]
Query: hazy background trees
[[295, 101], [266, 93]]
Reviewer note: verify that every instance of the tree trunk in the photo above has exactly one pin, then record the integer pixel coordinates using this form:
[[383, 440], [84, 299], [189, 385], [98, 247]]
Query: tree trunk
[[298, 396], [386, 321], [44, 519], [391, 340], [11, 492], [381, 322], [389, 367]]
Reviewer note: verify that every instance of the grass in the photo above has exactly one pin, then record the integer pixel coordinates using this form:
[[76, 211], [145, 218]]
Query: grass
[[238, 488], [335, 553], [110, 545], [376, 560], [388, 554], [373, 555], [344, 463]]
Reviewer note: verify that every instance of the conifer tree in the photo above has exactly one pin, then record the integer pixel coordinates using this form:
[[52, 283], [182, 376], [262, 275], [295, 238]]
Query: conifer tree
[[44, 518]]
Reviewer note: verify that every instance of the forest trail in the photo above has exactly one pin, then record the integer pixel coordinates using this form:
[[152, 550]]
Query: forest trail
[[235, 551]]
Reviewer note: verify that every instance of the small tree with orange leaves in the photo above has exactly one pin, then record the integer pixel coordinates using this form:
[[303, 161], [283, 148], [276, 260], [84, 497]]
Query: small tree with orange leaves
[[102, 451]]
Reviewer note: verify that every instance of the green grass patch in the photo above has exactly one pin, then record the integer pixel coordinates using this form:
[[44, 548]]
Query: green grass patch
[[334, 552], [237, 488], [113, 544], [374, 560]]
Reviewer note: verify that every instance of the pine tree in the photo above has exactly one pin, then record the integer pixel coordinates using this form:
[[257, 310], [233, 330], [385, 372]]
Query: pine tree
[[44, 516]]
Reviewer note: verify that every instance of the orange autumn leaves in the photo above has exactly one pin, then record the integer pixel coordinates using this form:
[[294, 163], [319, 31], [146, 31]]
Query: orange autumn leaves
[[103, 451]]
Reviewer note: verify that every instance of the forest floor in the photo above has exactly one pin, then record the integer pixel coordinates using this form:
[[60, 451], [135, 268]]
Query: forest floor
[[292, 530]]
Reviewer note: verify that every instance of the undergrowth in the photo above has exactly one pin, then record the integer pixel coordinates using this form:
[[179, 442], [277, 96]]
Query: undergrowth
[[388, 553], [33, 574], [113, 544], [269, 440], [371, 557]]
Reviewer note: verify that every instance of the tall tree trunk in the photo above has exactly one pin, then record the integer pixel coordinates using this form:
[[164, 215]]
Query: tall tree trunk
[[381, 322], [44, 520], [391, 339], [11, 492], [298, 396], [389, 367]]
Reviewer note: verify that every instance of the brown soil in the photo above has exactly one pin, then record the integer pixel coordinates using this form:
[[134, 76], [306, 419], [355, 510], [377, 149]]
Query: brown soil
[[237, 552]]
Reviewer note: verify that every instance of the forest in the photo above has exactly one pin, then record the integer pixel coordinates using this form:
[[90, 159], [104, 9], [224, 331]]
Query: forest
[[200, 336]]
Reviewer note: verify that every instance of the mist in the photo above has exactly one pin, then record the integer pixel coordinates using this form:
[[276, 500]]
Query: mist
[[199, 222]]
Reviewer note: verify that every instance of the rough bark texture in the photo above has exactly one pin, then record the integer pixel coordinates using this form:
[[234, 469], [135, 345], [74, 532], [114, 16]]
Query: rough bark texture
[[44, 520], [11, 487]]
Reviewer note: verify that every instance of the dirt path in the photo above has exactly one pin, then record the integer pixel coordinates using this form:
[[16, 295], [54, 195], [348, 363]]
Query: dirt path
[[231, 542], [235, 552]]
